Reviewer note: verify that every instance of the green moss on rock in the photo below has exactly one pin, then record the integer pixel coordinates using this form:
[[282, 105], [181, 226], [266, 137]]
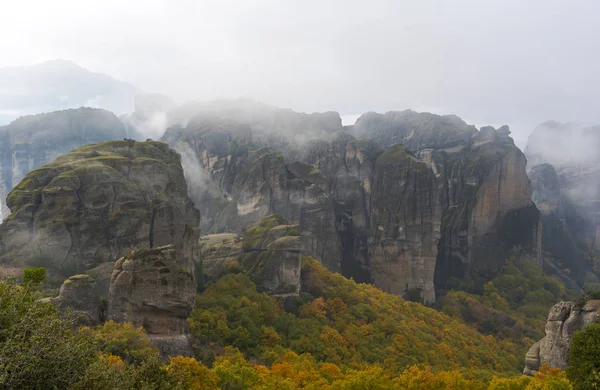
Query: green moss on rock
[[254, 236]]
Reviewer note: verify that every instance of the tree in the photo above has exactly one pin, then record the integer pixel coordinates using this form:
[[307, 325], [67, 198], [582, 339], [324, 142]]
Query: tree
[[584, 369], [34, 275], [123, 340], [38, 347], [199, 270], [190, 374]]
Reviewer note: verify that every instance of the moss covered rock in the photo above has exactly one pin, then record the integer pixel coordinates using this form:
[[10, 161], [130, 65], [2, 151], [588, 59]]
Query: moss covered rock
[[97, 202], [269, 252], [32, 141]]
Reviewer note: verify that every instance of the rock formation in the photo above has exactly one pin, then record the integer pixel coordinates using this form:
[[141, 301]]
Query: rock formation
[[415, 130], [563, 320], [96, 203], [32, 141], [563, 166], [155, 288], [452, 203], [405, 221], [80, 294], [270, 253], [218, 252]]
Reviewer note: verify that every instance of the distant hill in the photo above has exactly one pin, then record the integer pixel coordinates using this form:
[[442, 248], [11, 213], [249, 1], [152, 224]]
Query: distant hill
[[58, 85]]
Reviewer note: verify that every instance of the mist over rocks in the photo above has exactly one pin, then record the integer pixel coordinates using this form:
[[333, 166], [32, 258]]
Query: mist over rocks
[[150, 116], [419, 201], [469, 204], [92, 205], [415, 130], [563, 165], [32, 141], [59, 85]]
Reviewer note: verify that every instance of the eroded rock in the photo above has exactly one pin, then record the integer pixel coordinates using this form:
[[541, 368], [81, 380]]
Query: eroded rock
[[97, 202], [270, 253], [453, 207], [554, 349], [34, 140], [155, 288], [78, 294]]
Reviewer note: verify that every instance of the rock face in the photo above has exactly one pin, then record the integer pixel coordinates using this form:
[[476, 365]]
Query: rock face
[[155, 288], [270, 253], [405, 220], [451, 203], [563, 165], [219, 252], [563, 320], [92, 205], [79, 292], [415, 130], [32, 141]]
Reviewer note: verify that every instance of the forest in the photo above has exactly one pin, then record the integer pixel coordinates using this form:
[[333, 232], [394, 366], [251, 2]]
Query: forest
[[336, 335]]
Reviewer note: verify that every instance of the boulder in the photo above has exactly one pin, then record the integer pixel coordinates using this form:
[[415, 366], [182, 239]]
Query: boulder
[[79, 294]]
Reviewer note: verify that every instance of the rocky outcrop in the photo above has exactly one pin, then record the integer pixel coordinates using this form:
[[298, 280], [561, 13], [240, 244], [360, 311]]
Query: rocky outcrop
[[79, 294], [32, 141], [451, 203], [155, 288], [272, 255], [269, 252], [415, 130], [218, 252], [563, 320], [92, 205]]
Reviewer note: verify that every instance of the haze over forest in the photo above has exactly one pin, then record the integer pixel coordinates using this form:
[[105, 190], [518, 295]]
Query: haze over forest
[[494, 62]]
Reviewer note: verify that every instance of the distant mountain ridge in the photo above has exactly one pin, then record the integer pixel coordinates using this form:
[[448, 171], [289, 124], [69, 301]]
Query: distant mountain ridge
[[58, 85]]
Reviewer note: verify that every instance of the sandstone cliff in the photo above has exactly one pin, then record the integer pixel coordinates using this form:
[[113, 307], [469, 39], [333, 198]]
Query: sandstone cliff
[[32, 141], [155, 288], [92, 205], [452, 203], [564, 319]]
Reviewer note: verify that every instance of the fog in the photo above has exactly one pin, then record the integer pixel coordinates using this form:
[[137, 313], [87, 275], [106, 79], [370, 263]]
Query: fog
[[490, 62]]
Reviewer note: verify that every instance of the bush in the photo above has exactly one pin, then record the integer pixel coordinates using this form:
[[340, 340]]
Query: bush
[[38, 348], [34, 275], [123, 340], [584, 369]]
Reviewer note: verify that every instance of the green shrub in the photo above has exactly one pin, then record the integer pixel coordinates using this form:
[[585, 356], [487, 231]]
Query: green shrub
[[34, 275], [584, 369], [38, 347]]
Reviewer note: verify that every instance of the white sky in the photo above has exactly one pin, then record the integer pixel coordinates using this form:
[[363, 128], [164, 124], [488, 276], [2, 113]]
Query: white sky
[[490, 62]]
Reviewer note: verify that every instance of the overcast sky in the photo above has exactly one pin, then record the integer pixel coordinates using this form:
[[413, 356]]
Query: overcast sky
[[490, 62]]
